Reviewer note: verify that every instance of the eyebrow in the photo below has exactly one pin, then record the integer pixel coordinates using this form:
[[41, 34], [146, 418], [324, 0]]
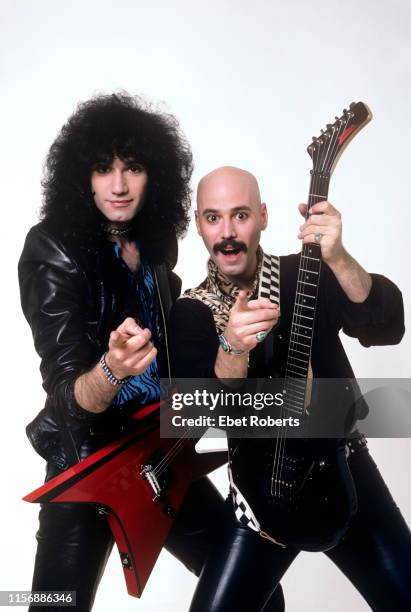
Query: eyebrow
[[109, 160], [131, 160], [208, 211]]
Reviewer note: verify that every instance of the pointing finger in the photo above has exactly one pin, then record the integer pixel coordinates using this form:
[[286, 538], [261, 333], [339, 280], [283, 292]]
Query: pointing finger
[[262, 303], [241, 302]]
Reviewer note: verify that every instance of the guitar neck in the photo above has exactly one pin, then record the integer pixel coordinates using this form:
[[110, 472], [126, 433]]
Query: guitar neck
[[324, 151], [302, 326]]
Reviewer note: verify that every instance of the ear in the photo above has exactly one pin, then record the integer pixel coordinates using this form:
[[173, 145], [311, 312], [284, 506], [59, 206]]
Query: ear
[[264, 215], [196, 217]]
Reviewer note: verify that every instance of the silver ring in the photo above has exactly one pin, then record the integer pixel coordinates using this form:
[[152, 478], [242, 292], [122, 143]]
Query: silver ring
[[317, 237], [261, 336]]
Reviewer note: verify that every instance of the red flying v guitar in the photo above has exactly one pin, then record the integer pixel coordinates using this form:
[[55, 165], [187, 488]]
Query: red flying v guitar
[[139, 481]]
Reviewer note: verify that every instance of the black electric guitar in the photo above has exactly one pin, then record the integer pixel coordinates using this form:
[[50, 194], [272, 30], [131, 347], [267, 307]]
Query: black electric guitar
[[304, 495]]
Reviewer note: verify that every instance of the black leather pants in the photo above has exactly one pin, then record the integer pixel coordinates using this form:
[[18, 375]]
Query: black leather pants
[[375, 555], [74, 543]]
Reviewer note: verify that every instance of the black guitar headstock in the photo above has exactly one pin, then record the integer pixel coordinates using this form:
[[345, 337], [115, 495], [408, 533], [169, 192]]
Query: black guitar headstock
[[325, 150]]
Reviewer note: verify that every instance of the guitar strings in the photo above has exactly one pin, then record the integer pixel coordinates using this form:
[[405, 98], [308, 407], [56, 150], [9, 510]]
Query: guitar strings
[[282, 434], [172, 452]]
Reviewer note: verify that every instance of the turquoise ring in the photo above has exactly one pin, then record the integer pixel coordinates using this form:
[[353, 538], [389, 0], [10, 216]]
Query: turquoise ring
[[261, 336]]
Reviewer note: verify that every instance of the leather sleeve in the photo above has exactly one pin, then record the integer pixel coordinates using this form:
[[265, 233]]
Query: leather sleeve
[[379, 320], [55, 299]]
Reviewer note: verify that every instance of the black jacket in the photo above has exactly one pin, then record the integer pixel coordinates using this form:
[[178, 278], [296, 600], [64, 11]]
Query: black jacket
[[73, 294], [379, 320]]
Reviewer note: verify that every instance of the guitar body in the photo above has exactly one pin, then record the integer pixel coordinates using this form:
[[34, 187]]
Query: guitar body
[[308, 499], [126, 481]]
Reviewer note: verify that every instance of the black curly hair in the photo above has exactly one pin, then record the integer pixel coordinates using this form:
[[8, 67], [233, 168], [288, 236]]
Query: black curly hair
[[124, 126]]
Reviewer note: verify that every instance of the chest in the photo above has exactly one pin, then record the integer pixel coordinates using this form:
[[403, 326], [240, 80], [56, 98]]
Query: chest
[[130, 256], [120, 285]]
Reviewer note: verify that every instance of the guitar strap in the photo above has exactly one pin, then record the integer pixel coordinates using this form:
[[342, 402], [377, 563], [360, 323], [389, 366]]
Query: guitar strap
[[269, 285]]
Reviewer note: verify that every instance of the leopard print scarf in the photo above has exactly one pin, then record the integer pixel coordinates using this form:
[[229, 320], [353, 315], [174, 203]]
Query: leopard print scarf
[[219, 294]]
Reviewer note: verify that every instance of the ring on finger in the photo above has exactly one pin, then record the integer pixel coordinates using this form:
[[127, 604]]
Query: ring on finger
[[317, 237], [261, 336]]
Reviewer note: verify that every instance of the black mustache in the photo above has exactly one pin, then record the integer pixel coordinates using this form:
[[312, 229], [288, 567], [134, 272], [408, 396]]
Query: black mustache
[[224, 244]]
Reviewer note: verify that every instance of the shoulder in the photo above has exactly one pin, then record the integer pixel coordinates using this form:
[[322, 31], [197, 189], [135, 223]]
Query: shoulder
[[57, 248], [44, 250], [50, 253], [191, 308], [42, 243], [41, 233]]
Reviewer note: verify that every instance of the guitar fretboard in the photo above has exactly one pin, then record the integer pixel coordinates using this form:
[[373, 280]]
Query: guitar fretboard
[[302, 326]]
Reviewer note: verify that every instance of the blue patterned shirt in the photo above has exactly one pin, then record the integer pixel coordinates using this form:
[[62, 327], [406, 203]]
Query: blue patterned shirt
[[145, 387]]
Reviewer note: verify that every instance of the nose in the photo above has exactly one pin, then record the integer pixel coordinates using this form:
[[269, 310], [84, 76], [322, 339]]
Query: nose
[[119, 182], [228, 229]]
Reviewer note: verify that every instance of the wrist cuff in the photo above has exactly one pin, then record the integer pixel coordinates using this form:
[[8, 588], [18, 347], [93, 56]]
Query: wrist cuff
[[109, 374], [228, 348]]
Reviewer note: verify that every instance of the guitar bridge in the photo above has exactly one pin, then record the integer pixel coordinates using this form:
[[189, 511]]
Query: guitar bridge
[[148, 473]]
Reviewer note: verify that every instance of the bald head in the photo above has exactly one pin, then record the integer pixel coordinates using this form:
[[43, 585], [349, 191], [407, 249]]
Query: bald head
[[228, 183]]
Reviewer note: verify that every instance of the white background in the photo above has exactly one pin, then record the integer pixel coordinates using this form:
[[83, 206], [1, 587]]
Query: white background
[[251, 83]]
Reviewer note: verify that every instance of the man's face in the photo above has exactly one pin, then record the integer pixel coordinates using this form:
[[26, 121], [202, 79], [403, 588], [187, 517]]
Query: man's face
[[119, 189], [229, 219]]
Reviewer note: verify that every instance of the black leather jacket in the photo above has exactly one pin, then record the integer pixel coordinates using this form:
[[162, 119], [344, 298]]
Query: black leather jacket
[[73, 294]]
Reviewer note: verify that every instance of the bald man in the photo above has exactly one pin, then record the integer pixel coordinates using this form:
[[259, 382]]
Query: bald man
[[230, 327]]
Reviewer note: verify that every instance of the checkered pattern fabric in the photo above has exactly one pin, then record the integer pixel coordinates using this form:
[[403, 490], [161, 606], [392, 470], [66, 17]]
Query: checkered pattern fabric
[[269, 286], [242, 510]]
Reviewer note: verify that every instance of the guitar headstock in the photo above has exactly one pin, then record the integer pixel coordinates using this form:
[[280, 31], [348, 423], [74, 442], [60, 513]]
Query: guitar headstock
[[325, 150]]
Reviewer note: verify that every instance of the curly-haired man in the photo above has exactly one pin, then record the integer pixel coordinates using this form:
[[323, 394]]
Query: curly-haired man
[[96, 286]]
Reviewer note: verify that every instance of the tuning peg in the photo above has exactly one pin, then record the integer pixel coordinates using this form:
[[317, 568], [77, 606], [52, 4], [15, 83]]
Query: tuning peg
[[329, 126]]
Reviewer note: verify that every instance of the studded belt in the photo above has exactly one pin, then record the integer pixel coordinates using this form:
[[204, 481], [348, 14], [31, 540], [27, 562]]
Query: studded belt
[[356, 445]]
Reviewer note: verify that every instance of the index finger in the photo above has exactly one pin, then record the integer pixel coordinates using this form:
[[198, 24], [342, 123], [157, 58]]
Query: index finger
[[323, 207], [303, 209], [262, 303], [241, 302]]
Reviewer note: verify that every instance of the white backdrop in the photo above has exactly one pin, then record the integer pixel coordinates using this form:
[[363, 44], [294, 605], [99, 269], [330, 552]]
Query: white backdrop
[[251, 83]]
